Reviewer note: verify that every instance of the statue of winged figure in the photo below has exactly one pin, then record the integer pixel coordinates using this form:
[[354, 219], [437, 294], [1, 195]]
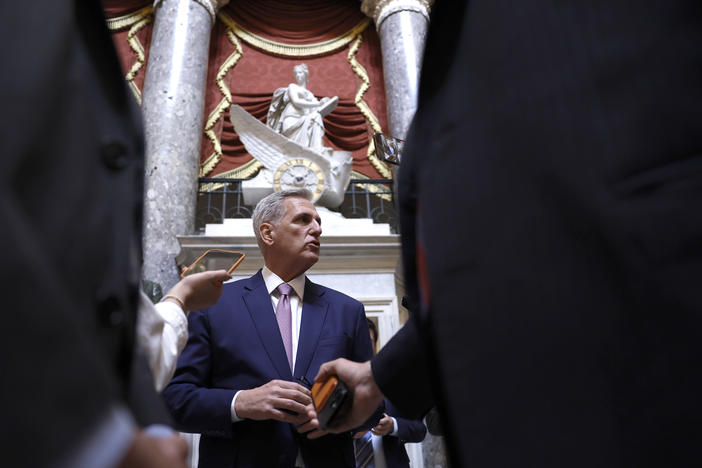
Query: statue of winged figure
[[297, 114], [290, 146]]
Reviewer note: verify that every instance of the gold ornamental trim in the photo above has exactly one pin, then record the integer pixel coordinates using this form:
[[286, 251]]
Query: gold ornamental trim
[[221, 107], [364, 108], [135, 21], [290, 50], [372, 188], [245, 171], [235, 31], [209, 164], [125, 21]]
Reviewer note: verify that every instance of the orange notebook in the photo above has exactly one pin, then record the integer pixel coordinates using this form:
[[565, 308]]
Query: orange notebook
[[328, 397]]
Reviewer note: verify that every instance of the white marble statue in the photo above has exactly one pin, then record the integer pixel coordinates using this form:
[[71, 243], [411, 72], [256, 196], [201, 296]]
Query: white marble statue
[[297, 114]]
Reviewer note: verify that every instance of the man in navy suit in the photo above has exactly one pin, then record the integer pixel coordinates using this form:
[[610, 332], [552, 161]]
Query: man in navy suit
[[236, 381]]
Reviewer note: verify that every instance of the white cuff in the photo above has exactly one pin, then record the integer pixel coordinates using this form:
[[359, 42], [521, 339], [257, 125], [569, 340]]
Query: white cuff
[[235, 418], [394, 427], [174, 316]]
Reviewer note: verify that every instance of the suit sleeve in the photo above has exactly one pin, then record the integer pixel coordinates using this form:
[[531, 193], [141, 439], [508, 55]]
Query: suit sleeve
[[362, 346], [196, 406], [408, 430], [363, 351], [398, 371]]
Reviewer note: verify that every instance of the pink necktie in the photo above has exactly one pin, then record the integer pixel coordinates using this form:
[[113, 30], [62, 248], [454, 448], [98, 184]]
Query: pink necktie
[[283, 315]]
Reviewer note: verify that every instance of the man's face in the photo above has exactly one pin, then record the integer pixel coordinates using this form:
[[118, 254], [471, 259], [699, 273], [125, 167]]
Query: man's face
[[296, 235]]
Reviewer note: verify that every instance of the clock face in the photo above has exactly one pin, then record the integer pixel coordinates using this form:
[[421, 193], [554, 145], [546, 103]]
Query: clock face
[[299, 173]]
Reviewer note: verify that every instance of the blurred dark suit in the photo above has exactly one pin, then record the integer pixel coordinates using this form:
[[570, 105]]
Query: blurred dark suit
[[550, 210], [71, 180], [408, 430]]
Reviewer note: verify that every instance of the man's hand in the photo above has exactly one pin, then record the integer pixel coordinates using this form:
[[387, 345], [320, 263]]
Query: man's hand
[[311, 427], [278, 399], [156, 452], [199, 290], [366, 396], [385, 426]]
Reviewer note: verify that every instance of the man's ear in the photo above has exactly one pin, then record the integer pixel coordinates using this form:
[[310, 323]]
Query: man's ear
[[266, 231]]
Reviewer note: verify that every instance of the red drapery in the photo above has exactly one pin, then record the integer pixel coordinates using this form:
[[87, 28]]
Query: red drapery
[[257, 73], [115, 8], [298, 21]]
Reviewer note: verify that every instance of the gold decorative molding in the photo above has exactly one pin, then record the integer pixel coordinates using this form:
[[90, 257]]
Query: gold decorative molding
[[363, 106], [245, 171], [374, 189], [222, 106], [121, 22], [234, 33], [135, 21], [290, 50]]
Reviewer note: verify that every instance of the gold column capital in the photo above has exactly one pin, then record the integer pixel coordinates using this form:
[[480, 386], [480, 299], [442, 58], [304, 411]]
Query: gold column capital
[[379, 10], [212, 6]]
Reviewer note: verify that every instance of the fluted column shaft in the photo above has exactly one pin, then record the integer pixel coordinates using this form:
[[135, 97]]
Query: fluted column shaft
[[173, 103], [402, 27]]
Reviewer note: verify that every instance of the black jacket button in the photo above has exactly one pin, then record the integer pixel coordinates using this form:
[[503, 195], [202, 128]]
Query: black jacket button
[[110, 312], [114, 155]]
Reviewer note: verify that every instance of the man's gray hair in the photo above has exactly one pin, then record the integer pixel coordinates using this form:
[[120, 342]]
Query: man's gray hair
[[271, 209]]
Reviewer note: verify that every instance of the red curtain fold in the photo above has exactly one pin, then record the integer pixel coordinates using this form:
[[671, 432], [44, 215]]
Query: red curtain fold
[[346, 129], [296, 22], [115, 8], [257, 74]]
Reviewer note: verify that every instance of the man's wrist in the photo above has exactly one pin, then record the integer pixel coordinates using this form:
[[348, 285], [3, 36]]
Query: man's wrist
[[172, 298]]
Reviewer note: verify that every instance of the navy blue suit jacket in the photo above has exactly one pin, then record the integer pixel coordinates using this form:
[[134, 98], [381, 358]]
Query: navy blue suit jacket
[[236, 345], [408, 430]]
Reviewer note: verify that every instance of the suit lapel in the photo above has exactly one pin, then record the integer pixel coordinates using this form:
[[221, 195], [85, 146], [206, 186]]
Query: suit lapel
[[314, 311], [258, 302]]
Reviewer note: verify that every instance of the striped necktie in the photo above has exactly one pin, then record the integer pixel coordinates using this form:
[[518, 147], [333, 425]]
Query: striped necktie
[[363, 448]]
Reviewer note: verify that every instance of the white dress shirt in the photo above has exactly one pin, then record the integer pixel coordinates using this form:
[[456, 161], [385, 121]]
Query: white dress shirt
[[298, 285], [378, 452]]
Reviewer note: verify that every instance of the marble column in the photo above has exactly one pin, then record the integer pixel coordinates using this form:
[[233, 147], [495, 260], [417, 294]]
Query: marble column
[[434, 452], [173, 103], [402, 27]]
